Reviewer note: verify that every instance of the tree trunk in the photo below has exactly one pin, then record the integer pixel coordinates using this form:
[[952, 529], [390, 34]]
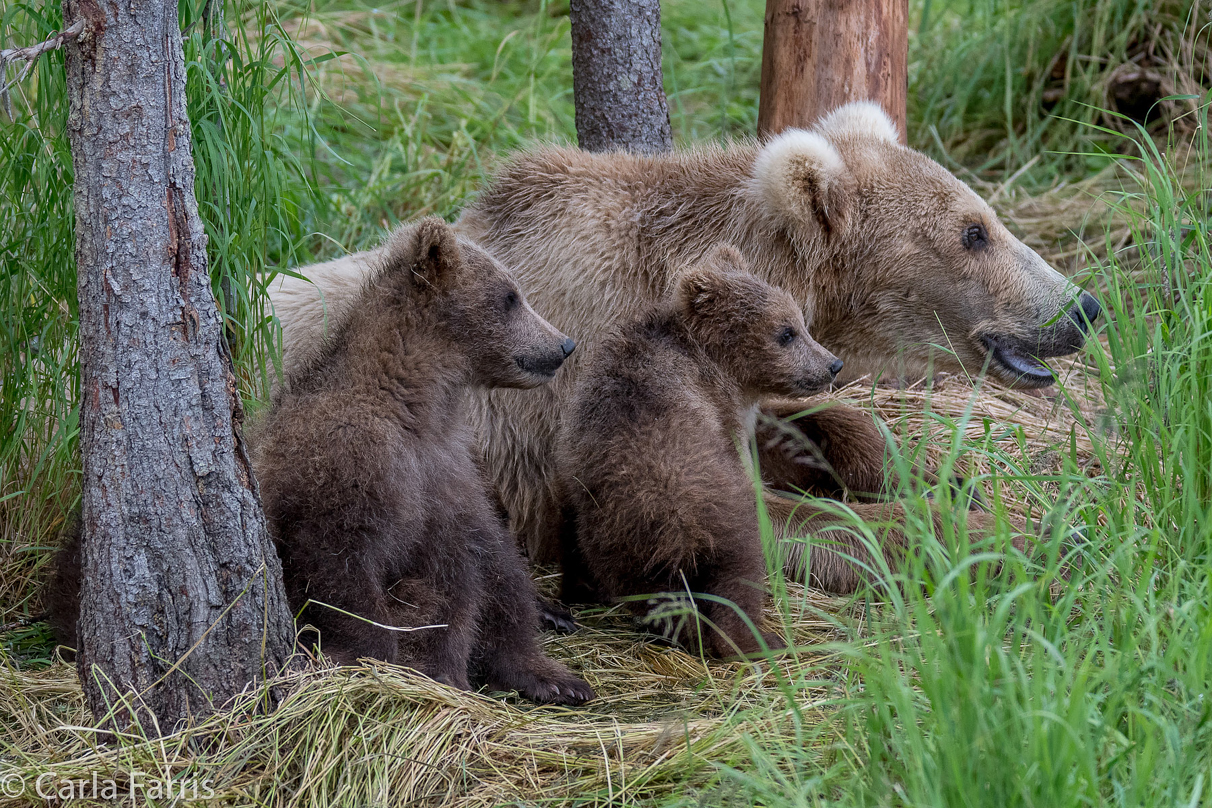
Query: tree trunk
[[182, 603], [617, 83], [820, 54]]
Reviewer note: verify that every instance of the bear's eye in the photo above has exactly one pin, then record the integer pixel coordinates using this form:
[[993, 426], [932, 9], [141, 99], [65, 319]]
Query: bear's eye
[[975, 237], [511, 301], [787, 336]]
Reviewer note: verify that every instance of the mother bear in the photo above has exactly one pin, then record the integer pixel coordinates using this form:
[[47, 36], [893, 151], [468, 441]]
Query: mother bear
[[890, 255]]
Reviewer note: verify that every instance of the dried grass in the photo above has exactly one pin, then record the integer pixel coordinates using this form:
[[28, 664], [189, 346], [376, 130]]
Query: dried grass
[[379, 733], [664, 720]]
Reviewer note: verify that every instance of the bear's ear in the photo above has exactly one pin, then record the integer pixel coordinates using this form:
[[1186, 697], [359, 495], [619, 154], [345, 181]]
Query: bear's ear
[[859, 119], [436, 256], [802, 179], [709, 287]]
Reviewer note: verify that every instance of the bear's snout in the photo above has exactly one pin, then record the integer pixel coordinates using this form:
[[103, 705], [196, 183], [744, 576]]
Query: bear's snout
[[819, 374], [545, 364]]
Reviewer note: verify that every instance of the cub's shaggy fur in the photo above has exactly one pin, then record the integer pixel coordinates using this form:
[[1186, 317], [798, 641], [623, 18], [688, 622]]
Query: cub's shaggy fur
[[649, 452], [370, 486]]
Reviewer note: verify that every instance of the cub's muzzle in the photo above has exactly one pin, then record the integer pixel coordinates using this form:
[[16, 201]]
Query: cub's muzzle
[[545, 364]]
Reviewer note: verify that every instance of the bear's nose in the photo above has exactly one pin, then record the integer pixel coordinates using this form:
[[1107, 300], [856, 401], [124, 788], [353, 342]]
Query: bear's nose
[[1085, 311], [1091, 307], [836, 367], [568, 346]]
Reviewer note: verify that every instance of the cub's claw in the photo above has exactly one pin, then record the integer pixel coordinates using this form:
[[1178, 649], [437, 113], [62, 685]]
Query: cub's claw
[[556, 618], [543, 681], [557, 687]]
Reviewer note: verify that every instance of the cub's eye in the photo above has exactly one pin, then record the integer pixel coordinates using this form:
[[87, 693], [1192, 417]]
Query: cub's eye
[[787, 336], [511, 301], [975, 237]]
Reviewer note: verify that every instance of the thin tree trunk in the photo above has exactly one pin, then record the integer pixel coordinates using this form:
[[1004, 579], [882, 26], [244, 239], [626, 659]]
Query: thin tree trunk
[[617, 84], [182, 603], [820, 54]]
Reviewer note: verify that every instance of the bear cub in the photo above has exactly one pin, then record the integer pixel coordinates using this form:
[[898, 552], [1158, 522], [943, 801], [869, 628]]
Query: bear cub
[[374, 498], [650, 453]]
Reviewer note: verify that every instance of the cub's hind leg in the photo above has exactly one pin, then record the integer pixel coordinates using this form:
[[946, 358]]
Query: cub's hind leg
[[507, 655], [437, 591], [735, 575], [437, 614], [339, 596]]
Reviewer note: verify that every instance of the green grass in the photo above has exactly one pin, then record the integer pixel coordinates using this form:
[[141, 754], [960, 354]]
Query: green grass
[[38, 383], [1086, 677], [317, 127]]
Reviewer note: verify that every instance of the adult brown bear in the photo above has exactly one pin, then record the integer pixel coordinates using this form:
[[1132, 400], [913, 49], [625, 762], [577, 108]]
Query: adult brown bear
[[896, 262]]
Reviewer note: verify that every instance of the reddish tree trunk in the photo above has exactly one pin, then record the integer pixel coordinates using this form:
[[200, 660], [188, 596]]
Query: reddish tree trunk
[[820, 54]]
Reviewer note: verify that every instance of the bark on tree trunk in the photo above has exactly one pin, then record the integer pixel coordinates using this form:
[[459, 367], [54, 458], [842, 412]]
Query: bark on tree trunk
[[617, 83], [820, 54], [182, 603]]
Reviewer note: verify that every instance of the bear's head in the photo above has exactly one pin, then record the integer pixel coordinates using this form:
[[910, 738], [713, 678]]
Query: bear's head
[[913, 263], [479, 307], [755, 331]]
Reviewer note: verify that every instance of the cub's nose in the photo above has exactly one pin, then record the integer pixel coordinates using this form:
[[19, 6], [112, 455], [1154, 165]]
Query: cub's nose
[[1085, 311], [836, 367], [568, 346]]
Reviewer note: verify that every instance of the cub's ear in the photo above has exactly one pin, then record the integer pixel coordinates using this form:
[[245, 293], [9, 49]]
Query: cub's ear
[[804, 182], [859, 119], [435, 255], [708, 287]]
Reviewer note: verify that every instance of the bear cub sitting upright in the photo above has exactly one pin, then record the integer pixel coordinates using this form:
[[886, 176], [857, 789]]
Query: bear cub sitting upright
[[372, 493], [650, 453]]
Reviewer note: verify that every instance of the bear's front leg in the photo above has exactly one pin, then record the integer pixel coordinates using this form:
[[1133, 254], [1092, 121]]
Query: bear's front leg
[[840, 560], [829, 450]]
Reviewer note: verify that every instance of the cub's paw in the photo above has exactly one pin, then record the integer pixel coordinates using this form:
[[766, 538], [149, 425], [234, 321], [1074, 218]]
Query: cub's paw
[[457, 681], [554, 617], [548, 682]]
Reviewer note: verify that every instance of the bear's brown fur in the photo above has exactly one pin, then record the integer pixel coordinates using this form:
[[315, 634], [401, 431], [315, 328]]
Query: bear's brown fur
[[370, 486], [889, 255], [650, 449], [62, 594]]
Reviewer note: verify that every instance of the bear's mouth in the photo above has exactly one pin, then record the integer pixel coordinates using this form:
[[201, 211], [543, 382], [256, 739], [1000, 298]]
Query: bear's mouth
[[1020, 362], [1015, 364], [542, 367]]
